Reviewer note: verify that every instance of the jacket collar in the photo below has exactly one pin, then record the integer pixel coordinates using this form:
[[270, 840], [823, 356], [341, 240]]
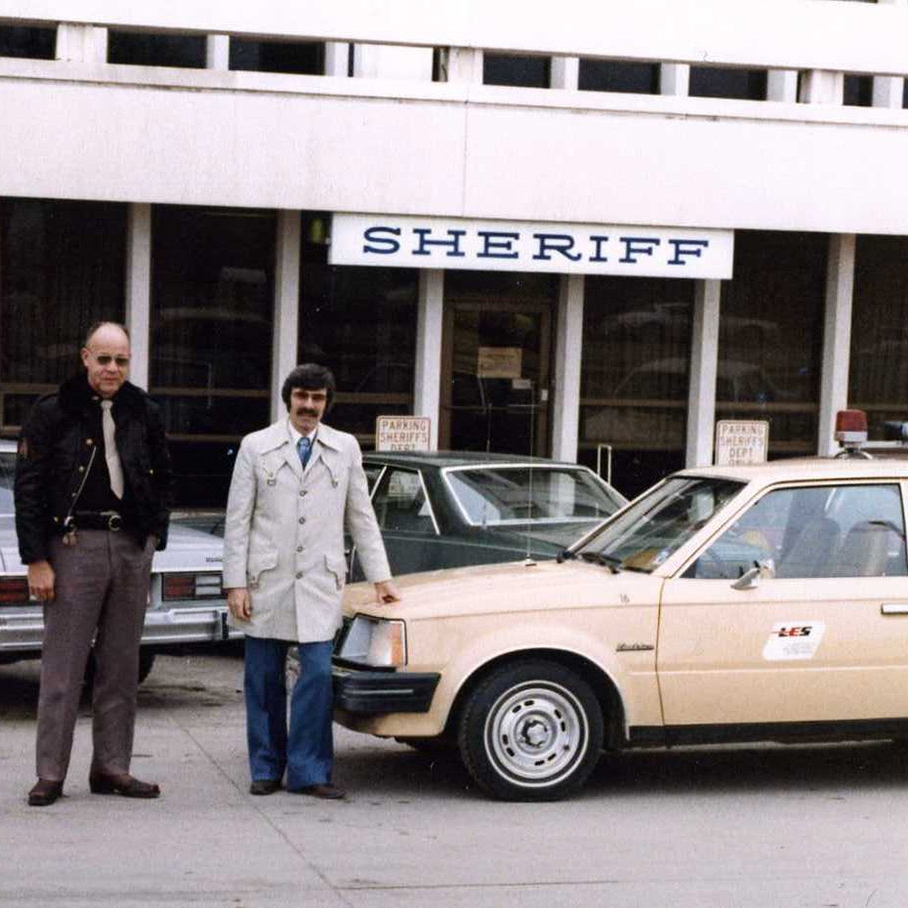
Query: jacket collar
[[76, 394], [277, 434]]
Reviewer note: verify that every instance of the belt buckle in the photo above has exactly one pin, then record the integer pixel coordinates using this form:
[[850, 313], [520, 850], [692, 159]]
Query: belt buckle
[[114, 522]]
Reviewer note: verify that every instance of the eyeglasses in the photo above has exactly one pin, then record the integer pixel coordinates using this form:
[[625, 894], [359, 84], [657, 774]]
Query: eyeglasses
[[105, 359]]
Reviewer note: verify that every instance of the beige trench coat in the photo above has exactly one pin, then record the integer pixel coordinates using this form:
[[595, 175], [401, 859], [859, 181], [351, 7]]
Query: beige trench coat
[[284, 536]]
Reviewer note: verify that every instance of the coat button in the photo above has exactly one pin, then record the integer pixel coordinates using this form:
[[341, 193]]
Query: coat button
[[302, 519], [299, 575], [81, 469], [303, 493], [299, 548]]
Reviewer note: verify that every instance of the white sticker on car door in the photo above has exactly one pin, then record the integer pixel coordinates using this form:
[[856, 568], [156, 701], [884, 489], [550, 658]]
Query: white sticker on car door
[[793, 640]]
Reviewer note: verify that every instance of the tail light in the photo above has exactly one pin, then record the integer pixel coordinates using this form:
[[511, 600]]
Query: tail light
[[191, 586], [13, 591]]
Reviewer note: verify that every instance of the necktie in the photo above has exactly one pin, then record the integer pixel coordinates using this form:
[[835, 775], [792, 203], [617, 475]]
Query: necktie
[[304, 446], [114, 467]]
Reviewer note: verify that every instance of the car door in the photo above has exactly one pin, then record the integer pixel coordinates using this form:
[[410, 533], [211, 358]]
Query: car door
[[821, 636]]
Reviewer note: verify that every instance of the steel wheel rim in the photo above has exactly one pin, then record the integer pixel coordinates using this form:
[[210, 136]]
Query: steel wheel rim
[[536, 734]]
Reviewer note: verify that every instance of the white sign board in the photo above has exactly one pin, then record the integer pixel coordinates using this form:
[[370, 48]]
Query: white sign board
[[741, 441], [461, 243], [402, 433]]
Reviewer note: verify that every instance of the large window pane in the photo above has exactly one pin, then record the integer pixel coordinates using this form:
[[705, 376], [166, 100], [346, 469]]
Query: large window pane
[[719, 82], [361, 324], [518, 70], [771, 334], [306, 57], [25, 41], [619, 75], [61, 269], [211, 337], [635, 376], [878, 379]]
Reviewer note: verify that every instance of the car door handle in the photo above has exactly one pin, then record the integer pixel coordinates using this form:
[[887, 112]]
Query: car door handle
[[894, 608]]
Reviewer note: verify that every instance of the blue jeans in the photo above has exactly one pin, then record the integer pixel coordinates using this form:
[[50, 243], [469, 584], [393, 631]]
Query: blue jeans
[[307, 752]]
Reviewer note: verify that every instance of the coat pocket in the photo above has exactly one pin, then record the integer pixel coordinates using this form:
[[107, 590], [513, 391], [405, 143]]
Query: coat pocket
[[337, 567], [258, 564]]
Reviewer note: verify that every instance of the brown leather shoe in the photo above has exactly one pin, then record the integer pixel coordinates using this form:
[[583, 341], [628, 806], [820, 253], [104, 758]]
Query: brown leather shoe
[[44, 792], [125, 785], [264, 786], [326, 791]]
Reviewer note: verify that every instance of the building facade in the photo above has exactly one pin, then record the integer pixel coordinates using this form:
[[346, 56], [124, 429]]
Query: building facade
[[587, 232]]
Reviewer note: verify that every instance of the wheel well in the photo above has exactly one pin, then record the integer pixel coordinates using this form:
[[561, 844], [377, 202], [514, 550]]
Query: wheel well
[[602, 685]]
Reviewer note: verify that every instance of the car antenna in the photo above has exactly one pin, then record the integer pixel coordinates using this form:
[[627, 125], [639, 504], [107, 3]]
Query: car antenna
[[529, 561]]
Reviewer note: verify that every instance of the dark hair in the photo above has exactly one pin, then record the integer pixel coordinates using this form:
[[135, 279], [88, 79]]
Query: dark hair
[[97, 326], [310, 377]]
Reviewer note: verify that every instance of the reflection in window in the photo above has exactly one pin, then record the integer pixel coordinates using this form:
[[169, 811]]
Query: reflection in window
[[400, 503], [634, 376], [619, 75], [63, 266], [878, 377], [824, 531], [23, 41], [305, 57], [718, 82], [770, 336], [211, 335], [185, 51], [513, 69], [360, 322]]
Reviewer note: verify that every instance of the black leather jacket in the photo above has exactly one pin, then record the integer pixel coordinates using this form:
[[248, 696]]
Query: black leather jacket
[[54, 452]]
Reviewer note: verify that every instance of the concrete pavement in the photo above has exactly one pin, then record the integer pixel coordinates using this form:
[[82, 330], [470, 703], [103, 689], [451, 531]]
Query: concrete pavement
[[753, 828]]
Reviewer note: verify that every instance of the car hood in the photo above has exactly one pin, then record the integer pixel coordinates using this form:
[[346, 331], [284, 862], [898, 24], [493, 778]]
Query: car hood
[[187, 549], [513, 587]]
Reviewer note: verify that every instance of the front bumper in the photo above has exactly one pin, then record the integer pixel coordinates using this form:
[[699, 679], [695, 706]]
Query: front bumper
[[22, 629], [363, 692]]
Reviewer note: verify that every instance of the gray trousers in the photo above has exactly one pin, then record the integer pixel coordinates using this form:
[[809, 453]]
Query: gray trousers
[[101, 592]]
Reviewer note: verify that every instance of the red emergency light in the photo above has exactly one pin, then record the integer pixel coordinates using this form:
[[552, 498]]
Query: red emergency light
[[851, 427]]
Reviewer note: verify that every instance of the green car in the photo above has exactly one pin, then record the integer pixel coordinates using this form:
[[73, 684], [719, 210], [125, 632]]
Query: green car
[[450, 509]]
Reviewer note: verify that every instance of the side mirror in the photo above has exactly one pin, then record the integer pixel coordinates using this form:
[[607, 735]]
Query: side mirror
[[751, 578]]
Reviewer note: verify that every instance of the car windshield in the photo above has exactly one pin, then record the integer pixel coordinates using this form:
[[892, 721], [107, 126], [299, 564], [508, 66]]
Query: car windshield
[[658, 523], [495, 496], [7, 471]]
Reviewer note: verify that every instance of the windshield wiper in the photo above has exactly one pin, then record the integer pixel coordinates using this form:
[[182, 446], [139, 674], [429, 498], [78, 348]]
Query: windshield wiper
[[609, 561], [564, 555]]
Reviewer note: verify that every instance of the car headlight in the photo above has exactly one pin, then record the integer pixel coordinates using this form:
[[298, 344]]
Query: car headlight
[[381, 642]]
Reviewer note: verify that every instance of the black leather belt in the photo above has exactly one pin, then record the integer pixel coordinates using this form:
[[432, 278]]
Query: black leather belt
[[98, 520]]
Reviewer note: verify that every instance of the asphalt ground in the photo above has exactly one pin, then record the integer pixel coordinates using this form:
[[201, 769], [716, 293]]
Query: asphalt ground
[[812, 827]]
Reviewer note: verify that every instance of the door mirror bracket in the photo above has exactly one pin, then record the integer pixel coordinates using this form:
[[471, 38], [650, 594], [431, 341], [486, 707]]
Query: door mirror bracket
[[751, 578]]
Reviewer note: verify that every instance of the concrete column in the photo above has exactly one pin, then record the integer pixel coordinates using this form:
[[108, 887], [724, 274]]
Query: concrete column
[[782, 85], [138, 291], [462, 64], [818, 86], [836, 338], [337, 59], [565, 73], [286, 305], [217, 52], [701, 402], [427, 377], [81, 43], [565, 402], [674, 79]]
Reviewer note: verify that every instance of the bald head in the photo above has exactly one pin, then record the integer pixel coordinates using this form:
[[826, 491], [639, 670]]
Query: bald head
[[106, 358]]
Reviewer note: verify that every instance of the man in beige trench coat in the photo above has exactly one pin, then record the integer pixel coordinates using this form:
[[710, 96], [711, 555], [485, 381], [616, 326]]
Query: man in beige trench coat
[[295, 486]]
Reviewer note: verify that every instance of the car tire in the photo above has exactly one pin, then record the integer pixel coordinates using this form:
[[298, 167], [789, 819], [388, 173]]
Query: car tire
[[531, 731], [146, 663]]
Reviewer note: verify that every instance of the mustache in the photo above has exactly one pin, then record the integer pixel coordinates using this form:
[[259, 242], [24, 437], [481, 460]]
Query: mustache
[[305, 411]]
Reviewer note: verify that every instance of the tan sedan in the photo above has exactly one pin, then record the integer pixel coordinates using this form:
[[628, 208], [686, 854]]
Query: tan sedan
[[723, 605]]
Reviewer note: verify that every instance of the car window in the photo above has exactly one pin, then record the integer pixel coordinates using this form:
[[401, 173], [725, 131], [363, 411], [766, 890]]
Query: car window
[[820, 531], [7, 472], [400, 503], [372, 471], [502, 495], [659, 522]]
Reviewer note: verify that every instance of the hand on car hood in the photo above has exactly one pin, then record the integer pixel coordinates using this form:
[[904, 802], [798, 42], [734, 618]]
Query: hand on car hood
[[506, 588]]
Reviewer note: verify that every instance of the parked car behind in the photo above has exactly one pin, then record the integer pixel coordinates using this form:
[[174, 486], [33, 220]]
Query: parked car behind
[[449, 509], [186, 602], [726, 604]]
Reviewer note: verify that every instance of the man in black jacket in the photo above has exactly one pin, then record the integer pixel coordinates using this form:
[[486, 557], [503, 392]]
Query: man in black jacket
[[93, 489]]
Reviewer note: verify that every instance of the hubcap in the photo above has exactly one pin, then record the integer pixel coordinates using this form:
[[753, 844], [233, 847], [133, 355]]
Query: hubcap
[[536, 733]]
